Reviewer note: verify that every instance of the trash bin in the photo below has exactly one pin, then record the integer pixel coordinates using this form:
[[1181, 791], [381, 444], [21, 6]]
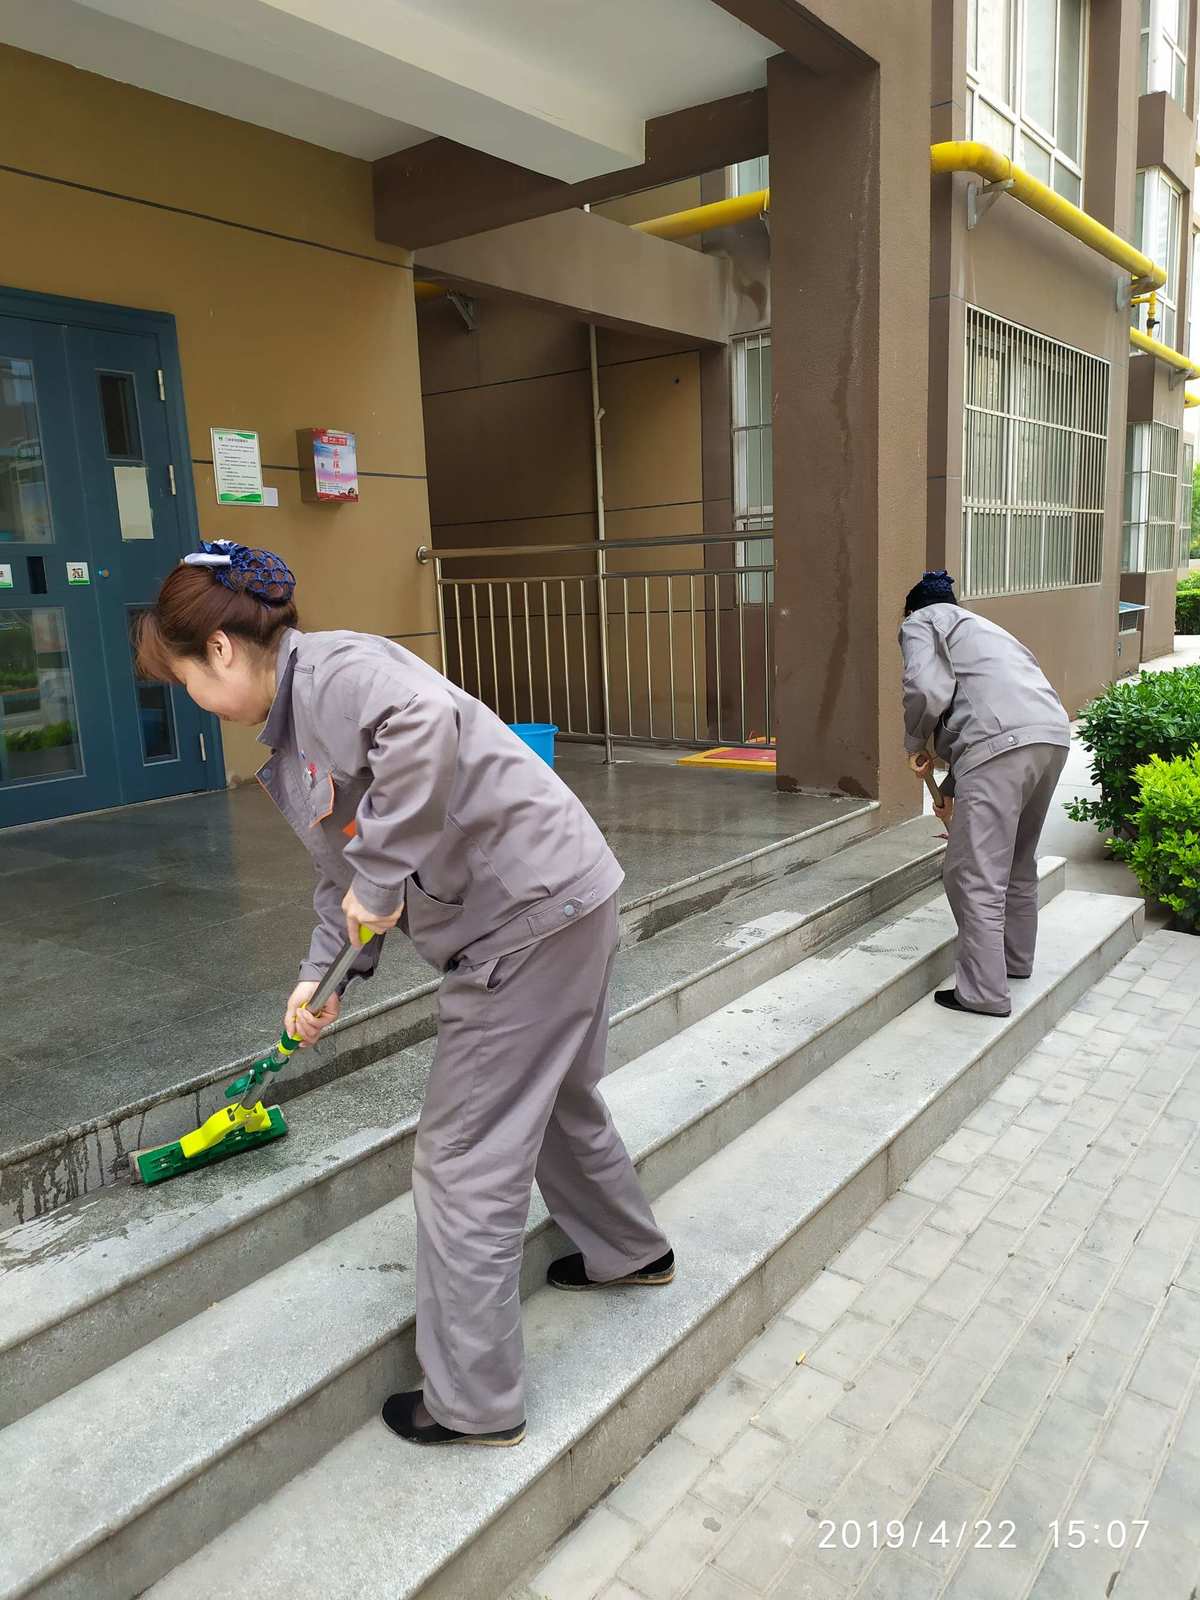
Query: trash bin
[[539, 736]]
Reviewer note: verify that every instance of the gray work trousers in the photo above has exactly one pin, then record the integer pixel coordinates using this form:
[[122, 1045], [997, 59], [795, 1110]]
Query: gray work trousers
[[991, 870], [513, 1094]]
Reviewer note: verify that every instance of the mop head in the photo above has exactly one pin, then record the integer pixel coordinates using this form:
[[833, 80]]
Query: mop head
[[169, 1160]]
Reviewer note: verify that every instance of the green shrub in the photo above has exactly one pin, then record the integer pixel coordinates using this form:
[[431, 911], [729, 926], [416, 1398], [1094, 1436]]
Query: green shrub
[[1187, 604], [1156, 714], [50, 737], [1164, 854]]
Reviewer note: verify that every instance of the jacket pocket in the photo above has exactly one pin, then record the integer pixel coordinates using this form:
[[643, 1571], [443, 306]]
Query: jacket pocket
[[434, 926], [322, 796]]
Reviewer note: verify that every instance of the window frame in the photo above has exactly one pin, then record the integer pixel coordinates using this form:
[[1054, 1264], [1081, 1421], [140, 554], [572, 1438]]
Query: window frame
[[735, 185], [751, 517], [1010, 107], [1147, 538], [1187, 462], [1168, 295], [1018, 442], [1159, 46]]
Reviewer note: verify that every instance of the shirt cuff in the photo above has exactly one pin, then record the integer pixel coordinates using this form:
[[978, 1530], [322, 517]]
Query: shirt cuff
[[913, 744], [375, 898]]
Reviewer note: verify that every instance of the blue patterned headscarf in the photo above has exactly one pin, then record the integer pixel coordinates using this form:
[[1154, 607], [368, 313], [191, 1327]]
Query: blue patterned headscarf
[[934, 589], [260, 573]]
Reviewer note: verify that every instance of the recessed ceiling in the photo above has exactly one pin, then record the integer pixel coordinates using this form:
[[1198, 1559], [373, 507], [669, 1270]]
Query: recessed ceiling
[[562, 86]]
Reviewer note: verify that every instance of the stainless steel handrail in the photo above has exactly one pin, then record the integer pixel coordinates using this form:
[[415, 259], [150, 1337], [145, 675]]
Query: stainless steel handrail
[[426, 554], [575, 626]]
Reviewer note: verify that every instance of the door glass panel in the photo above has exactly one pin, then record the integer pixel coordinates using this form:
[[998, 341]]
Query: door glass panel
[[118, 403], [156, 712], [39, 737], [24, 500], [133, 502]]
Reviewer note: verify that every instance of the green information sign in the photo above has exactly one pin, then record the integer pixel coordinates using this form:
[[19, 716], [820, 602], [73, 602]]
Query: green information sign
[[237, 467]]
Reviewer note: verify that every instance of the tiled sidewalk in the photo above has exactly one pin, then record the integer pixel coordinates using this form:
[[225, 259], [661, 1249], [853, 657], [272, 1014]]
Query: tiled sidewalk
[[1012, 1340]]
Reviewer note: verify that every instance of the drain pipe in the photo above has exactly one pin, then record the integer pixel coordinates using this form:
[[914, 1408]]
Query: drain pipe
[[601, 563]]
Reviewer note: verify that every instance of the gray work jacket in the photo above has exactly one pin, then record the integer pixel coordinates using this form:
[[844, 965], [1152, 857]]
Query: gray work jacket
[[974, 689], [408, 790]]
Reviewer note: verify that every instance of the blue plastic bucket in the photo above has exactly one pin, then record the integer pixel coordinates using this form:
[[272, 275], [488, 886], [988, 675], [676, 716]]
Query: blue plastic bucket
[[539, 736]]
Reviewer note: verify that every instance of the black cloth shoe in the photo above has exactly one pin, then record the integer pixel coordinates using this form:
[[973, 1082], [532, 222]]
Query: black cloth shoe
[[949, 999], [399, 1411], [568, 1273]]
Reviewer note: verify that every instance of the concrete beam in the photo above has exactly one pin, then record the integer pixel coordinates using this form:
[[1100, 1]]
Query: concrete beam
[[441, 190], [388, 57], [811, 42], [595, 269]]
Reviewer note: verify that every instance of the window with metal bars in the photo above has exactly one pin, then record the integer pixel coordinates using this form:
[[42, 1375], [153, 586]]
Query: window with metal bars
[[1035, 453], [1151, 538], [753, 500], [1187, 458]]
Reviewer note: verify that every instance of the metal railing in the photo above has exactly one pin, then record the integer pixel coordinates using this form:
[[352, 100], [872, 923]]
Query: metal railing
[[676, 648]]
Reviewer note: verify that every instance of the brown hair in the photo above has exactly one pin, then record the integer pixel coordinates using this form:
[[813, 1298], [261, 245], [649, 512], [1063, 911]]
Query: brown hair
[[191, 606]]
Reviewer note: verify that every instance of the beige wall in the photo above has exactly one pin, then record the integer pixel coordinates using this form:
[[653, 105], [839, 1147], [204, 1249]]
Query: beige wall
[[289, 315]]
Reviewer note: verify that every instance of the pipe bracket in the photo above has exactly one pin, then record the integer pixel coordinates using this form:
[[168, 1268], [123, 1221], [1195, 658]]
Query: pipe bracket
[[468, 309], [981, 197]]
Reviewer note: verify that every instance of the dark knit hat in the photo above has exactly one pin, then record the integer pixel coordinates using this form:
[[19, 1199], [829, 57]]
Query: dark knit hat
[[934, 589]]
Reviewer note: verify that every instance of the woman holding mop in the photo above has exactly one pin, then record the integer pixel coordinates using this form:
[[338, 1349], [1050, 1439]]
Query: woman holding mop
[[999, 726], [421, 809]]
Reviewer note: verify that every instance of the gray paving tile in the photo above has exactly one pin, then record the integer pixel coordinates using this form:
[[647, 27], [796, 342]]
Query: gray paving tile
[[1022, 1384], [986, 1446], [1121, 1323], [659, 1481], [815, 1471], [764, 1541], [668, 1561], [950, 1389], [1137, 1434], [948, 1504], [904, 1455], [1064, 1437], [1165, 1373], [1094, 1377], [878, 1393], [891, 1296], [741, 1471]]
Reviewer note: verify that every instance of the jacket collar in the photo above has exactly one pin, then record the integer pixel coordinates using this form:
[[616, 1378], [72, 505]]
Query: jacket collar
[[279, 718]]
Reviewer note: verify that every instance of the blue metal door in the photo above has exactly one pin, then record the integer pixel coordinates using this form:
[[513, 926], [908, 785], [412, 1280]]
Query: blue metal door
[[95, 509]]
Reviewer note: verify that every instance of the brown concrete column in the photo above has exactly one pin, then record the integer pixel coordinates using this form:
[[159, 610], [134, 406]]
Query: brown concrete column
[[850, 263]]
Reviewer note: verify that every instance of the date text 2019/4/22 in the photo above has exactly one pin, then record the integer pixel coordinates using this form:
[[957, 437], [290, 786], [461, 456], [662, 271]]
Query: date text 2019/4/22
[[980, 1535]]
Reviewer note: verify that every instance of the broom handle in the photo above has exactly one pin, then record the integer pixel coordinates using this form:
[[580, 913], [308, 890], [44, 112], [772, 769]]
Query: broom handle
[[935, 794], [338, 969], [246, 1088]]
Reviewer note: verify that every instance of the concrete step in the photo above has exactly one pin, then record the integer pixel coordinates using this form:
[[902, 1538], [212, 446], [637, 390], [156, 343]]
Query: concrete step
[[83, 1159], [95, 1279], [149, 1459], [608, 1374]]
